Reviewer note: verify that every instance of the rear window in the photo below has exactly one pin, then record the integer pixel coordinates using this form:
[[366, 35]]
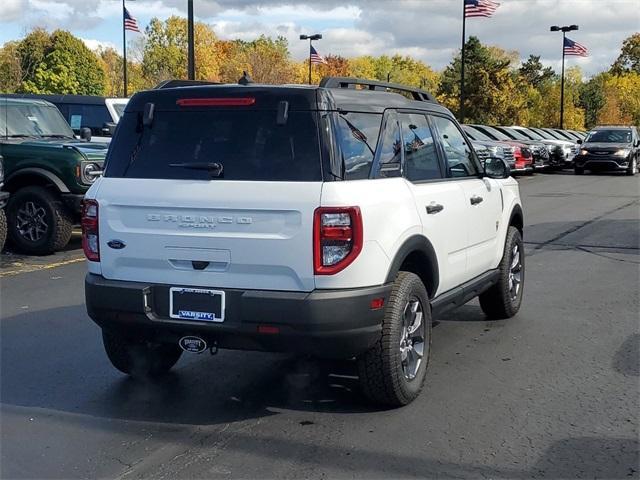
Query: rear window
[[249, 145]]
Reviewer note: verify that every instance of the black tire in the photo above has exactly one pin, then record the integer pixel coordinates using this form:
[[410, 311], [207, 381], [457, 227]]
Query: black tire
[[578, 171], [3, 229], [633, 168], [140, 358], [499, 301], [55, 223], [383, 373]]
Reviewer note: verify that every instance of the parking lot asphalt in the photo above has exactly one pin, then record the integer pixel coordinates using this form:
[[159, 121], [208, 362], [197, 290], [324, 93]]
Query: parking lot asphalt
[[551, 393]]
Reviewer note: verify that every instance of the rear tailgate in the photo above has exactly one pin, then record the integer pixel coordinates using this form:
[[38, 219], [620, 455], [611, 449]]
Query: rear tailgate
[[253, 235]]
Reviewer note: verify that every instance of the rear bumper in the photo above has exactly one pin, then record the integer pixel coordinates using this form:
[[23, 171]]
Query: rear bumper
[[324, 323]]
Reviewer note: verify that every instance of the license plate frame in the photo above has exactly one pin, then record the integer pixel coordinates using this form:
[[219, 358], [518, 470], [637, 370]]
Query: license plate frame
[[201, 310]]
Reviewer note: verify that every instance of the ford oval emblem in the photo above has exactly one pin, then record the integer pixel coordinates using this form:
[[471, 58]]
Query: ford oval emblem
[[193, 344], [116, 244]]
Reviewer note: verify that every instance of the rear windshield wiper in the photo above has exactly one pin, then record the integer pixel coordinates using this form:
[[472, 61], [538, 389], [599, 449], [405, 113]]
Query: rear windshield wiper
[[357, 134], [214, 168]]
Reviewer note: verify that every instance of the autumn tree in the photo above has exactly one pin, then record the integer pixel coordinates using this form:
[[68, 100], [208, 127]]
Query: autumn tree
[[629, 58], [10, 68], [362, 67], [265, 59], [165, 50], [113, 65]]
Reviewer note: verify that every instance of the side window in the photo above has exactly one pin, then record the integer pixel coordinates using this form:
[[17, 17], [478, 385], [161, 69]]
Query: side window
[[358, 135], [457, 151], [390, 150], [420, 155]]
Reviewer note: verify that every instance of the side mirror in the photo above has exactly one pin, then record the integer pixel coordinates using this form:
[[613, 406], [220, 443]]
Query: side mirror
[[85, 134], [108, 128], [637, 144], [579, 141], [496, 167]]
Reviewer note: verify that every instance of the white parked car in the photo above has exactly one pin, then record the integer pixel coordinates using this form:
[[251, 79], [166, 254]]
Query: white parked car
[[324, 220]]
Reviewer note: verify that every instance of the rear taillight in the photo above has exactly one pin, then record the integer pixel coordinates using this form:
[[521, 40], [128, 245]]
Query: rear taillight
[[90, 234], [337, 238]]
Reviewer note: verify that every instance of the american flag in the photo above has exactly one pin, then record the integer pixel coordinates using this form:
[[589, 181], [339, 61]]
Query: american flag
[[130, 23], [315, 56], [574, 48], [479, 8]]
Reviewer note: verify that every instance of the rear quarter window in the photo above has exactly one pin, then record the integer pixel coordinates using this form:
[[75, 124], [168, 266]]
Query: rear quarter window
[[249, 144], [358, 136]]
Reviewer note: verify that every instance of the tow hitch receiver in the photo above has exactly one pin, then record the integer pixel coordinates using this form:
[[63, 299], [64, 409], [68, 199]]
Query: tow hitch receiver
[[193, 344]]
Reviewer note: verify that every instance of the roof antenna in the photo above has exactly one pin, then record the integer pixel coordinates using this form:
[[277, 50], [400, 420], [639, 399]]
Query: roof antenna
[[245, 79]]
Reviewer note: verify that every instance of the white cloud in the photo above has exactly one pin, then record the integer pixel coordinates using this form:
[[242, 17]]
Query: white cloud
[[427, 29], [94, 44], [11, 10]]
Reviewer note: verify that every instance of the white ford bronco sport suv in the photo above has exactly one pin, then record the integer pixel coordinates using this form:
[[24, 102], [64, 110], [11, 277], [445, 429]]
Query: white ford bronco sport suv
[[329, 220]]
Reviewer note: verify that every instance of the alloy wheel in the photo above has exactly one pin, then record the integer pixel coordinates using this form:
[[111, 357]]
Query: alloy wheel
[[515, 273], [31, 221], [412, 341]]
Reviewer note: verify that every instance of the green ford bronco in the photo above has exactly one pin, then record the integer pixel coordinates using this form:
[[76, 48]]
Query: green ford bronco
[[47, 172]]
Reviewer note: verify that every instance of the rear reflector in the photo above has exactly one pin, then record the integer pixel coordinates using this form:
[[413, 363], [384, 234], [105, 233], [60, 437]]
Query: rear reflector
[[216, 102], [268, 329], [377, 303]]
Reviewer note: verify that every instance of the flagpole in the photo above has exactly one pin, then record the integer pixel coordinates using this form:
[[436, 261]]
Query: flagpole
[[309, 61], [124, 50], [464, 22], [564, 34]]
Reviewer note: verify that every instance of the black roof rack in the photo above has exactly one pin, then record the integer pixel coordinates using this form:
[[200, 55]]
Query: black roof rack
[[347, 82], [183, 83]]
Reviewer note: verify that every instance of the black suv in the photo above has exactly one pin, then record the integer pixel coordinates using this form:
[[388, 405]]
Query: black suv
[[609, 148]]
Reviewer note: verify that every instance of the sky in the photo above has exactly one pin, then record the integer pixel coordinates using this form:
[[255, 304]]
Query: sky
[[426, 29]]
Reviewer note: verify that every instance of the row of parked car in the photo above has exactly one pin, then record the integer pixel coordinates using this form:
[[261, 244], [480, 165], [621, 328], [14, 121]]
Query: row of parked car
[[54, 148], [527, 149]]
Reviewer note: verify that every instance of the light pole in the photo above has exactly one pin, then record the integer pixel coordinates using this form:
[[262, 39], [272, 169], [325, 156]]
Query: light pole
[[315, 36], [564, 30], [191, 57]]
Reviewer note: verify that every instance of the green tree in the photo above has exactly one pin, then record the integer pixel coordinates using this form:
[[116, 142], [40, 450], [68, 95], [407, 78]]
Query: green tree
[[629, 58], [32, 50], [592, 98], [534, 73], [493, 93], [68, 66]]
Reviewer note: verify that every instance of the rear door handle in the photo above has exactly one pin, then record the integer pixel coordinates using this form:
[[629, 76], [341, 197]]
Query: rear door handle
[[476, 199], [434, 208]]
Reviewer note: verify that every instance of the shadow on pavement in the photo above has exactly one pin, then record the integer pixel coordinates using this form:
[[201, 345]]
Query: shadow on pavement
[[54, 359], [627, 359]]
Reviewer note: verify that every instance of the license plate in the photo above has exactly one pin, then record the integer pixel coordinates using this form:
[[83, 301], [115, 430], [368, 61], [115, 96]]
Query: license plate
[[197, 304]]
